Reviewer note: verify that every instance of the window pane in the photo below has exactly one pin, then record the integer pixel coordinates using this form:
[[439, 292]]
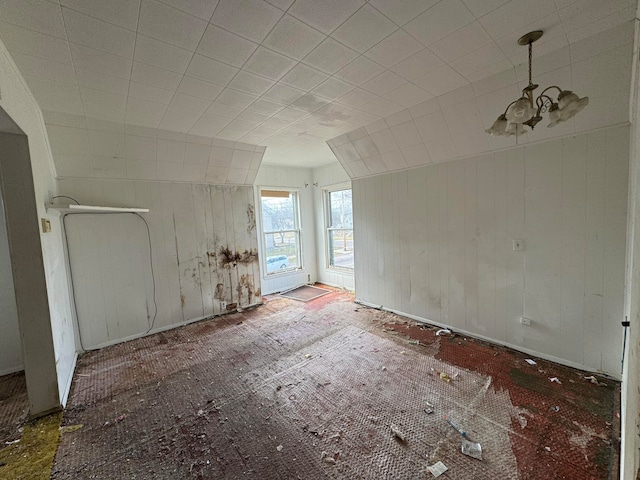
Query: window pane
[[341, 248], [340, 209], [282, 251], [279, 213]]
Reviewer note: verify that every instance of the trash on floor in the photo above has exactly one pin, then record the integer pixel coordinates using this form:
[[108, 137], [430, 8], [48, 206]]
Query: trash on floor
[[279, 448], [595, 381], [443, 331], [398, 434], [471, 449], [555, 380], [530, 362], [555, 409], [429, 409], [437, 469], [445, 377], [71, 428]]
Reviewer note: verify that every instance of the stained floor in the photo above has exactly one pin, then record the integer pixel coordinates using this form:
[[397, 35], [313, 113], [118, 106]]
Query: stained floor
[[293, 390], [14, 407]]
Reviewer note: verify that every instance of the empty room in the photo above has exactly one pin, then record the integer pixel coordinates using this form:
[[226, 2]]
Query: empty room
[[304, 239]]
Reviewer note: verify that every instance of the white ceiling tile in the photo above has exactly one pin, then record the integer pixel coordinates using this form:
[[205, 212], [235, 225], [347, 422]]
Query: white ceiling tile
[[364, 29], [281, 4], [416, 155], [169, 135], [584, 13], [187, 103], [39, 15], [210, 70], [265, 107], [108, 167], [198, 140], [209, 125], [482, 7], [385, 141], [359, 71], [194, 173], [89, 59], [197, 154], [365, 147], [250, 83], [479, 59], [432, 126], [376, 165], [304, 77], [60, 72], [610, 21], [149, 93], [441, 149], [170, 25], [161, 54], [102, 98], [439, 21], [220, 156], [90, 32], [407, 95], [241, 159], [73, 166], [471, 143], [217, 175], [441, 80], [225, 46], [106, 143], [104, 111], [330, 56], [394, 160], [332, 89], [290, 114], [170, 151], [154, 76], [29, 42], [141, 170], [120, 12], [169, 171], [515, 15], [252, 117], [237, 176], [252, 19], [327, 15], [381, 107], [100, 81], [283, 94], [310, 102], [140, 105], [495, 82], [223, 110], [236, 99], [401, 11], [56, 96], [357, 97], [68, 140], [140, 148], [268, 63], [402, 116], [199, 88], [418, 65], [179, 120], [384, 83], [461, 42], [602, 42], [293, 38], [406, 134], [198, 8], [64, 119], [393, 49]]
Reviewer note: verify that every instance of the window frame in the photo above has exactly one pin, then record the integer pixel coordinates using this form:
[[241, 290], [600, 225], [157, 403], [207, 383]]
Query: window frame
[[326, 203], [297, 231]]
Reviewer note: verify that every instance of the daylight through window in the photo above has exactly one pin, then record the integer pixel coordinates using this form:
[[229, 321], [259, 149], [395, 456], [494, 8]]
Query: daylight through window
[[281, 231], [339, 228]]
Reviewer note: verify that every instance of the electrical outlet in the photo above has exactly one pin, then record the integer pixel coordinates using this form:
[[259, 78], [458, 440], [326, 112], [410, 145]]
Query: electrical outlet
[[46, 225], [525, 321], [223, 305]]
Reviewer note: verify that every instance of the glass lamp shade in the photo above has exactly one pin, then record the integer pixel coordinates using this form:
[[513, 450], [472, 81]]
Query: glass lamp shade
[[499, 127], [515, 129], [554, 116], [570, 104], [520, 111]]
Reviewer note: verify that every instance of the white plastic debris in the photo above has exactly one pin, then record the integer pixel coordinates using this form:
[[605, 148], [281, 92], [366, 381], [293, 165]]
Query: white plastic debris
[[595, 381], [530, 362], [398, 434], [437, 469], [555, 380], [279, 448], [471, 449], [443, 331]]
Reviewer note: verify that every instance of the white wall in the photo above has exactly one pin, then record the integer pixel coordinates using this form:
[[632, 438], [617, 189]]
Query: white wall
[[10, 343], [55, 360], [190, 224], [436, 242], [328, 176], [293, 178]]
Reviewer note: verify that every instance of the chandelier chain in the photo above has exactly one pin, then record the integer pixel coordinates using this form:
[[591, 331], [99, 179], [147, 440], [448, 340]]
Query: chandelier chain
[[530, 57]]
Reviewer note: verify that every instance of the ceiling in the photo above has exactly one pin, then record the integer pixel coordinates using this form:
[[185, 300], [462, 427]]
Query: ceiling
[[291, 74]]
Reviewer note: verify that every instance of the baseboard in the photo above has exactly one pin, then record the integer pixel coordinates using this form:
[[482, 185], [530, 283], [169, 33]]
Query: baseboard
[[544, 356]]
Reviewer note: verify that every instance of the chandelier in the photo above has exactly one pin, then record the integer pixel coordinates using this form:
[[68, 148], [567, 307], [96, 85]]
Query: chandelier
[[527, 111]]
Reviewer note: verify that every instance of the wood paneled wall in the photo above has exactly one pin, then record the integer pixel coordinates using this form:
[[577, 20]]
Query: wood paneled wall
[[436, 243]]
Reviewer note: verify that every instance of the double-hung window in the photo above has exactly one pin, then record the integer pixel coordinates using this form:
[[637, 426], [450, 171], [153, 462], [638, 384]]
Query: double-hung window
[[281, 230], [339, 228]]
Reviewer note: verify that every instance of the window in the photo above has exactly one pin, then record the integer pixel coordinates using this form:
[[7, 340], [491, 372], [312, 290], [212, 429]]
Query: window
[[281, 231], [339, 228]]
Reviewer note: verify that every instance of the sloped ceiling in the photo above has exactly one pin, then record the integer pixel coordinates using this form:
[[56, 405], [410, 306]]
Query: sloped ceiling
[[292, 74]]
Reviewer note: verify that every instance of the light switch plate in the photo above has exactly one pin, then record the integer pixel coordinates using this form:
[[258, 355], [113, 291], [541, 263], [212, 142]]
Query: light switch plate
[[46, 225]]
